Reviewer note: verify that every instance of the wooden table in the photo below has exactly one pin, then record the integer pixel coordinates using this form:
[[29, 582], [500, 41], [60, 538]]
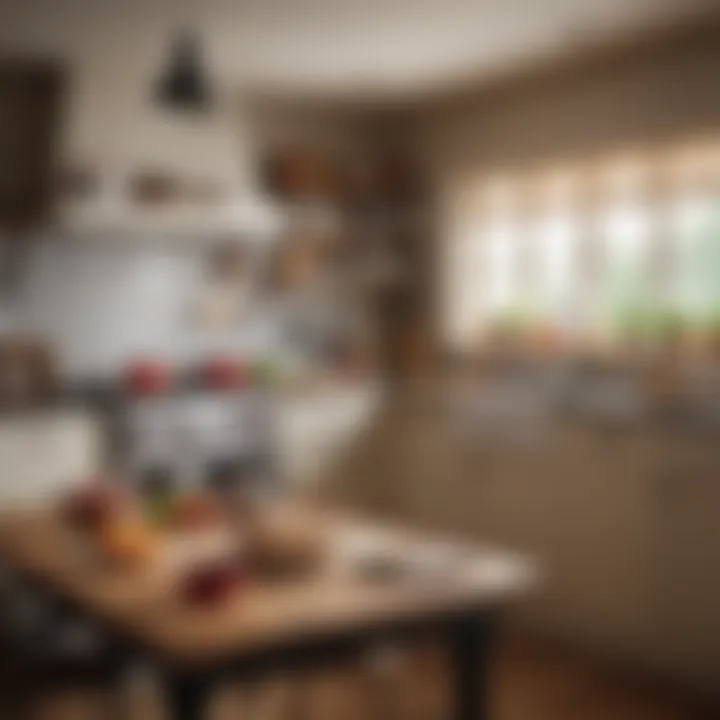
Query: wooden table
[[280, 625]]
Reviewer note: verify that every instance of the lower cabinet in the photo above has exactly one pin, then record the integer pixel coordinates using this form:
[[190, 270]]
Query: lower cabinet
[[626, 525], [687, 562], [628, 528]]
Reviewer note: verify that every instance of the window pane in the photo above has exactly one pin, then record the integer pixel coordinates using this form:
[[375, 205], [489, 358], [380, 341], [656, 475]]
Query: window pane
[[696, 234], [646, 256], [556, 244], [499, 265], [626, 282]]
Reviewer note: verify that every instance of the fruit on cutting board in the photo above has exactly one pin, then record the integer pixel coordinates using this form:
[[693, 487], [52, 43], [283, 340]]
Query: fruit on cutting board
[[128, 542], [212, 583]]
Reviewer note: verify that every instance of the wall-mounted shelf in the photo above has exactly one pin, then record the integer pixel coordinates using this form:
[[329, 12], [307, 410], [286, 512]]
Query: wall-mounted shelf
[[254, 218]]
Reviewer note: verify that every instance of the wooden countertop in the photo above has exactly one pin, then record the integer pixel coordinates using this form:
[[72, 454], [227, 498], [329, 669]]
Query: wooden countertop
[[144, 607]]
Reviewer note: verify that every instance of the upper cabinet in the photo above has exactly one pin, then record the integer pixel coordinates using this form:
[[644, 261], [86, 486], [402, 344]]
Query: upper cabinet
[[30, 95]]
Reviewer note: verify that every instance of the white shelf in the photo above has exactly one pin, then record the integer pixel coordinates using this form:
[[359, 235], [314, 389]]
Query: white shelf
[[258, 219], [254, 217]]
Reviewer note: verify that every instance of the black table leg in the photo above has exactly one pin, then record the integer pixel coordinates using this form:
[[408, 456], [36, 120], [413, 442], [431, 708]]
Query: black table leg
[[471, 641], [187, 697]]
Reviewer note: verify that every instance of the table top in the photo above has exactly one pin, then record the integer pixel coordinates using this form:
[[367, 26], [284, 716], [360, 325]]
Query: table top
[[144, 605]]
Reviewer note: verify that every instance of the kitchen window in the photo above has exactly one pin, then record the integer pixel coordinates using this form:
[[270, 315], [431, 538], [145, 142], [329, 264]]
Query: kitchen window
[[625, 250]]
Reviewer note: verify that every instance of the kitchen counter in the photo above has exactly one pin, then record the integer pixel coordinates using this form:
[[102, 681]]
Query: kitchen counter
[[623, 516]]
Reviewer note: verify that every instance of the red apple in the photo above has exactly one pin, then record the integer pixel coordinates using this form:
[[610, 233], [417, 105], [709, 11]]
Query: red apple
[[212, 583], [147, 378]]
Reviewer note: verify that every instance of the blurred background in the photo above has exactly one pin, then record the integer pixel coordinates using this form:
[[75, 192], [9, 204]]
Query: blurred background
[[456, 264]]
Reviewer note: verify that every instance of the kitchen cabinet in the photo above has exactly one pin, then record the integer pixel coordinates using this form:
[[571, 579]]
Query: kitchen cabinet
[[686, 564], [29, 113], [597, 536], [626, 527], [623, 522]]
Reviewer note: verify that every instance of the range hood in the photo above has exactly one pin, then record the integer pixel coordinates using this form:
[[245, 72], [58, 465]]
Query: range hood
[[142, 165]]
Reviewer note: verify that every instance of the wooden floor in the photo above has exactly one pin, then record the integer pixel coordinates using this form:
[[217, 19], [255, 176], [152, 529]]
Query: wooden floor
[[531, 681]]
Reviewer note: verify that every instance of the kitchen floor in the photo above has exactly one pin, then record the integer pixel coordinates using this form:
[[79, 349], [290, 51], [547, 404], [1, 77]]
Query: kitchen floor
[[532, 681]]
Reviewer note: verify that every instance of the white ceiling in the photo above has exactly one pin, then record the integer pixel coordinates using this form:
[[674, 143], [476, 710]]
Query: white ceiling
[[388, 48]]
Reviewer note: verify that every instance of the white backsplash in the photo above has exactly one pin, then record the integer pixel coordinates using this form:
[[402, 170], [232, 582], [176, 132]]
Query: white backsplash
[[102, 303]]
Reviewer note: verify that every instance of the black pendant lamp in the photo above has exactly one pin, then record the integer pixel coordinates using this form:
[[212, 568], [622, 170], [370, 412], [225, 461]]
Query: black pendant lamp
[[183, 85]]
